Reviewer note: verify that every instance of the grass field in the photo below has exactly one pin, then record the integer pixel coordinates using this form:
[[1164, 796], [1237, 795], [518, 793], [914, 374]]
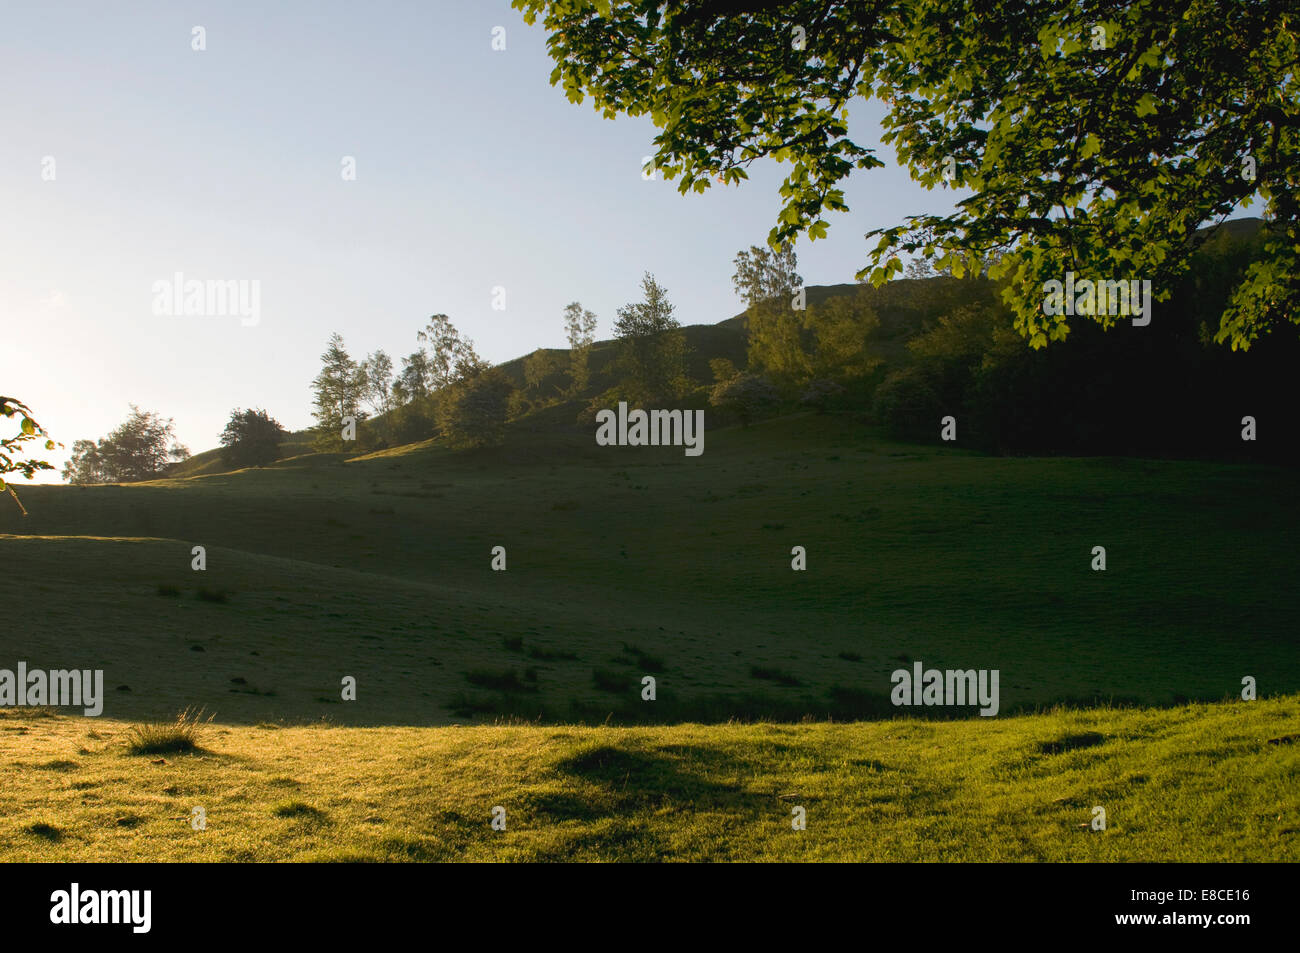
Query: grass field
[[1196, 783], [623, 562], [628, 562]]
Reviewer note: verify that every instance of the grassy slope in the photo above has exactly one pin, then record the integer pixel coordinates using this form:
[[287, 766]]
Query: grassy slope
[[1198, 783], [637, 560], [628, 561]]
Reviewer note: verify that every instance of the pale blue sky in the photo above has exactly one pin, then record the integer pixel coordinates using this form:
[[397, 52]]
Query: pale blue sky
[[472, 172]]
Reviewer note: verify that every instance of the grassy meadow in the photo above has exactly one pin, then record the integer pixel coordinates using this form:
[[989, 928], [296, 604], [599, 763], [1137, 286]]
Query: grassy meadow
[[1194, 783], [623, 562], [478, 688]]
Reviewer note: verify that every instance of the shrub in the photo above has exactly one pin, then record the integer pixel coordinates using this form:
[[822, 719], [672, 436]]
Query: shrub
[[907, 404], [749, 396], [821, 394]]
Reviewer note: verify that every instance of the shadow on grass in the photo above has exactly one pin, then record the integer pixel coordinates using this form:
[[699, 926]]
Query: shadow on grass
[[609, 789]]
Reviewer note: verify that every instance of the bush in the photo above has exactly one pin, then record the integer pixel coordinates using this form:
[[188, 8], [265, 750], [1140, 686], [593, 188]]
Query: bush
[[820, 394], [749, 396], [907, 404]]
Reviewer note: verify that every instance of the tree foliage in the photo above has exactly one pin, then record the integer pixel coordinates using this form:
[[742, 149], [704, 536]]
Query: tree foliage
[[377, 382], [338, 390], [142, 448], [251, 439], [451, 357], [474, 411], [11, 459], [542, 365], [415, 382], [837, 332], [579, 328], [791, 341], [652, 348], [764, 274], [1092, 136]]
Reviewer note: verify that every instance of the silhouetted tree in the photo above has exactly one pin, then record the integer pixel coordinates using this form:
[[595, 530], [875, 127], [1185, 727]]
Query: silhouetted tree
[[142, 448], [338, 390], [251, 439], [652, 348]]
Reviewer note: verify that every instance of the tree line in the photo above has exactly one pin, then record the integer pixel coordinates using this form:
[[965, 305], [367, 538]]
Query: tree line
[[947, 346]]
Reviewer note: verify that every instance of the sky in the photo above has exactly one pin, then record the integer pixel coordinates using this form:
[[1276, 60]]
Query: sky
[[127, 157]]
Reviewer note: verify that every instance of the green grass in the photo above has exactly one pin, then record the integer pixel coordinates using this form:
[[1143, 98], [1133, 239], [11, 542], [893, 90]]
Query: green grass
[[378, 569], [1194, 783], [926, 553]]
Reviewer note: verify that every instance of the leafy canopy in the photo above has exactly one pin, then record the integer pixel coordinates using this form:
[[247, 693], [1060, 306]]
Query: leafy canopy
[[1092, 136], [251, 438]]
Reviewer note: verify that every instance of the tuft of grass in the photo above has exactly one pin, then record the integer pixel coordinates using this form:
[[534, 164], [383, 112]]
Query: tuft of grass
[[177, 737], [513, 643], [851, 656], [211, 595], [167, 590]]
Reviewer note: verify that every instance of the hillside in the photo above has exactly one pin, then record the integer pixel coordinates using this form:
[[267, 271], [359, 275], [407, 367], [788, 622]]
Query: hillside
[[629, 561], [523, 688], [1141, 372], [905, 307]]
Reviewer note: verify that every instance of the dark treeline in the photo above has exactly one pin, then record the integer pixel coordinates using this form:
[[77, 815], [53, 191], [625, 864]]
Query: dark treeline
[[1163, 390]]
